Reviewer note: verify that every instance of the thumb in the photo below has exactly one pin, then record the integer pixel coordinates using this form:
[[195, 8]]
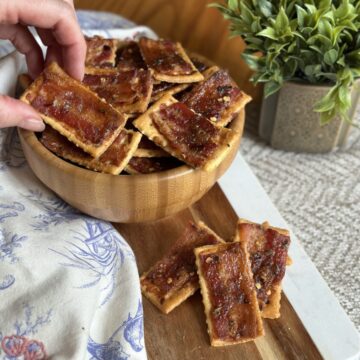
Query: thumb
[[17, 113]]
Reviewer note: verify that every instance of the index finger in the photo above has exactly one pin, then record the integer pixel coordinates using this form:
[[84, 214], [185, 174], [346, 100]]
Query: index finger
[[57, 15]]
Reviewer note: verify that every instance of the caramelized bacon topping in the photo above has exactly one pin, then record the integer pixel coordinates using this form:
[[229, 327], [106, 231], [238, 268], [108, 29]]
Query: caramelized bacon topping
[[160, 87], [233, 313], [191, 134], [164, 57], [122, 89], [268, 254], [129, 57], [177, 268], [212, 96], [62, 147], [100, 52], [143, 165], [199, 64], [64, 99]]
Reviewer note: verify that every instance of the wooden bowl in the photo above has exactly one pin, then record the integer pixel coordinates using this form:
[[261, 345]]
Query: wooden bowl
[[124, 198]]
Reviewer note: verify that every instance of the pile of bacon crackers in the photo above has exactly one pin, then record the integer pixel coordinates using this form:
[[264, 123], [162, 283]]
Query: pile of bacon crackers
[[143, 106], [240, 281]]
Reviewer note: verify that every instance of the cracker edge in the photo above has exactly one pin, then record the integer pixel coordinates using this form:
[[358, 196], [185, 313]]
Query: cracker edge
[[271, 310], [194, 77], [206, 298], [234, 108], [172, 91], [97, 165], [184, 293], [149, 153], [95, 151]]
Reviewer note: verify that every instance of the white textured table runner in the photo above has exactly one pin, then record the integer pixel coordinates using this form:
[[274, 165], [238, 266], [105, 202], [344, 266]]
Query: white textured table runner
[[319, 196]]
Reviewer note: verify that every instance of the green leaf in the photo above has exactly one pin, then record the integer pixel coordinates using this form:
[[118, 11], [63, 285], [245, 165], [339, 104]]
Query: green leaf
[[326, 42], [233, 5], [290, 68], [330, 57], [301, 15], [325, 104], [271, 87], [345, 95], [251, 60], [325, 28], [312, 10], [341, 61], [325, 4], [265, 7], [269, 33], [281, 22], [311, 70], [326, 117], [245, 13], [343, 10]]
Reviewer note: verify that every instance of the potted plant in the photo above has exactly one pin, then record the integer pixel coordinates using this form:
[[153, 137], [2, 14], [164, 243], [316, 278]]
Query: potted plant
[[307, 54]]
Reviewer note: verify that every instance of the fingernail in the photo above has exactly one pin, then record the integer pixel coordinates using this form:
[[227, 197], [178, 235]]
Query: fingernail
[[33, 124]]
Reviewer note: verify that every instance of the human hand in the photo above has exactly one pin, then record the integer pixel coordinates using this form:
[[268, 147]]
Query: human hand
[[57, 26]]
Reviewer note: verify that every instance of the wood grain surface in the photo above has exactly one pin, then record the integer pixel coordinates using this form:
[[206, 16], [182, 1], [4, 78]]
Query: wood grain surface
[[183, 334], [198, 27]]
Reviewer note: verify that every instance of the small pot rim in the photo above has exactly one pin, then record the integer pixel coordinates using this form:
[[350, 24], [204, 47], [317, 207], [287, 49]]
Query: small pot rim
[[314, 85]]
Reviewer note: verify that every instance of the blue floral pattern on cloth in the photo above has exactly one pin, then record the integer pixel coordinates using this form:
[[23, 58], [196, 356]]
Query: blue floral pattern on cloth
[[100, 252], [132, 331], [63, 275], [53, 211]]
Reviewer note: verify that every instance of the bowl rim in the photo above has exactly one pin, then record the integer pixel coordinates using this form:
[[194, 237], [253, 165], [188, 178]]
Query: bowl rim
[[31, 139]]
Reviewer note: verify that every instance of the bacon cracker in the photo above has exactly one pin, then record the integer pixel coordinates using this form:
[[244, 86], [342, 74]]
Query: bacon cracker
[[268, 247], [169, 61], [218, 97], [113, 161], [229, 296], [74, 110], [185, 135], [173, 278]]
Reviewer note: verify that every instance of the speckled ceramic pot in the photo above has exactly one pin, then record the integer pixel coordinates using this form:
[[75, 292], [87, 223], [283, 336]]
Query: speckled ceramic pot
[[288, 122]]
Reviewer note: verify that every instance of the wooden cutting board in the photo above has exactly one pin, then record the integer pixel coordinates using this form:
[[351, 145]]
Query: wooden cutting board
[[182, 334]]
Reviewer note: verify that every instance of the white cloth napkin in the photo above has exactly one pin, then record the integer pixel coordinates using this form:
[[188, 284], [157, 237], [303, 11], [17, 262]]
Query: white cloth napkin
[[69, 285]]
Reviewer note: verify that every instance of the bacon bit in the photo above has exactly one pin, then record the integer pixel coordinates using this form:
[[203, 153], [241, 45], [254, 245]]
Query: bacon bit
[[219, 99], [169, 280], [217, 311]]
